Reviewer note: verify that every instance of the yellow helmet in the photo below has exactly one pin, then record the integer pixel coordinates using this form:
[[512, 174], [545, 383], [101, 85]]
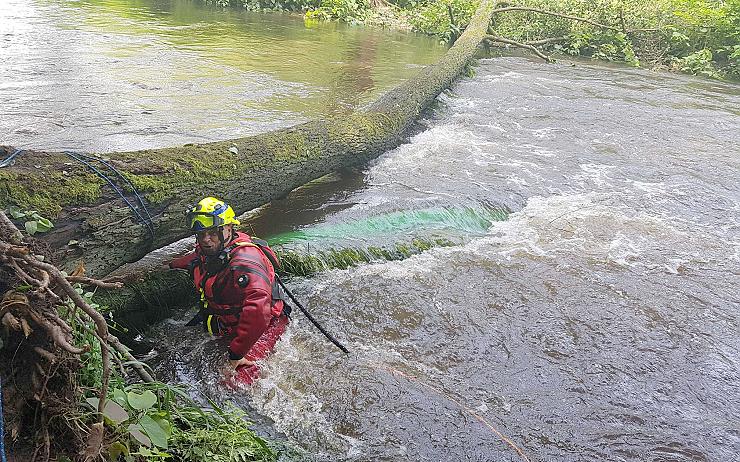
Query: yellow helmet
[[210, 213]]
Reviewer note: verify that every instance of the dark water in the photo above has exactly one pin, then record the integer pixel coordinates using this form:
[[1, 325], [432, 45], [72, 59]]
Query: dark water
[[599, 322], [111, 75]]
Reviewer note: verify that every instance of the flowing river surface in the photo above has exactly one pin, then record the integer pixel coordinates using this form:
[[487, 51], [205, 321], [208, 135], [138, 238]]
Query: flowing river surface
[[590, 309], [598, 321], [113, 75]]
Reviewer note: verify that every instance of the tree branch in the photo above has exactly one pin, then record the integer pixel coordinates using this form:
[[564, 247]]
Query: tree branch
[[103, 284], [552, 13], [494, 38], [121, 348], [547, 40]]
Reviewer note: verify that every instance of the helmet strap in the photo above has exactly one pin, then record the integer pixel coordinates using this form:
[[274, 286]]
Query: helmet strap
[[222, 242]]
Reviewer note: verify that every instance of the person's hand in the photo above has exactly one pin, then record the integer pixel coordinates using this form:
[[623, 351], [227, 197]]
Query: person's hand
[[237, 363]]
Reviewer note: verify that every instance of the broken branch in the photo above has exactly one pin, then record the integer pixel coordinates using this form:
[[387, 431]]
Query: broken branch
[[494, 38]]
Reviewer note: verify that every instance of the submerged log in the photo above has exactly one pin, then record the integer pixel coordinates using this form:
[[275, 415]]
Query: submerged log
[[94, 224]]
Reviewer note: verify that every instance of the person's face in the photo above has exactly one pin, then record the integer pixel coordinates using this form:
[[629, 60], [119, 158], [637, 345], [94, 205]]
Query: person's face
[[209, 241]]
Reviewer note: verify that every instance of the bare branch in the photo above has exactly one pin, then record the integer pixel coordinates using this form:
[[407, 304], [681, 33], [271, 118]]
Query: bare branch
[[494, 38], [56, 333], [48, 355], [121, 348], [106, 284], [547, 40], [27, 278]]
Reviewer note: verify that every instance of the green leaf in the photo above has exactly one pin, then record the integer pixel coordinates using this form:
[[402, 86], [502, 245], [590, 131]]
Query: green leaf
[[115, 450], [136, 431], [142, 401], [44, 224], [119, 396], [16, 212], [115, 412], [155, 433], [164, 424], [112, 410], [31, 227]]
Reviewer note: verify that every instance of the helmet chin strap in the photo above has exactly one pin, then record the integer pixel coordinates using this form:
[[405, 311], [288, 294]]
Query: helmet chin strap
[[222, 242]]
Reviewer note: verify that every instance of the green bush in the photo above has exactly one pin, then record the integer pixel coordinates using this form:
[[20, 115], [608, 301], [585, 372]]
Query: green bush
[[701, 37], [446, 19], [351, 11]]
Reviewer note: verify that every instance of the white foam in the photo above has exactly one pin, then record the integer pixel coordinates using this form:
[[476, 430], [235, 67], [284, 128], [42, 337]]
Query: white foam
[[296, 412], [595, 173]]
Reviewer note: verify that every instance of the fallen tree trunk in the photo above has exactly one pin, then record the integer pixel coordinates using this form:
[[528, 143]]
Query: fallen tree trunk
[[93, 223]]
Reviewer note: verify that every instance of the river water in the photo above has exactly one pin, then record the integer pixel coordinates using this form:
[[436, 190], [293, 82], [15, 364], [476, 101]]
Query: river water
[[113, 75], [598, 321]]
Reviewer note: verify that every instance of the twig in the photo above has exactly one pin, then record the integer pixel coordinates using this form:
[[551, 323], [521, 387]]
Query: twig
[[622, 21], [105, 284], [27, 278], [56, 333], [547, 40], [121, 348], [48, 355], [494, 38]]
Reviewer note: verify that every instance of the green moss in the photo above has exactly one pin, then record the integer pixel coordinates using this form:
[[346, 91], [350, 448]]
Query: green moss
[[48, 192], [194, 166], [301, 264]]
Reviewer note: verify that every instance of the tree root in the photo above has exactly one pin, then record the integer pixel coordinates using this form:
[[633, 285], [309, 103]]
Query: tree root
[[46, 287]]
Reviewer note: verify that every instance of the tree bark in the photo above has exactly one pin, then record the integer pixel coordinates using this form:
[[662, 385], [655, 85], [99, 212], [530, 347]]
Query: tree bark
[[246, 172]]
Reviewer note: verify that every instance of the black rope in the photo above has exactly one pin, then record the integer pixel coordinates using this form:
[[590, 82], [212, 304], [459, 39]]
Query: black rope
[[9, 160], [146, 222], [310, 318]]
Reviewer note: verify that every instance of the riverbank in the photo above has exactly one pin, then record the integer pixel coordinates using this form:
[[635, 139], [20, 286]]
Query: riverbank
[[698, 37]]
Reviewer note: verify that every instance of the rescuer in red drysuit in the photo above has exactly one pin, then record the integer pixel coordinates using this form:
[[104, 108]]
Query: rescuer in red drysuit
[[235, 277]]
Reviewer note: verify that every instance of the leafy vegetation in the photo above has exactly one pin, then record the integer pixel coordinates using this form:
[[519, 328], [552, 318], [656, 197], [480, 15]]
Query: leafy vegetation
[[700, 37], [157, 422], [33, 222]]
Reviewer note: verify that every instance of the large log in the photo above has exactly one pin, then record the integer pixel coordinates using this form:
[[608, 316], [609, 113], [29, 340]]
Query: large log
[[246, 172]]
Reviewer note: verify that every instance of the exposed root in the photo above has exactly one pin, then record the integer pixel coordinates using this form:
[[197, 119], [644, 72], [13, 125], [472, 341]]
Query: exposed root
[[42, 357]]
